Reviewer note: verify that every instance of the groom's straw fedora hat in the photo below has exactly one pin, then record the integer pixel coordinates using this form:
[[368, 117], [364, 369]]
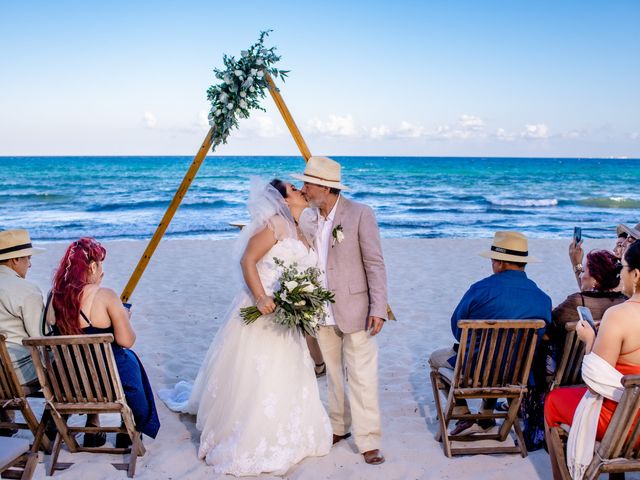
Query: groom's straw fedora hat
[[16, 244], [322, 171], [510, 247]]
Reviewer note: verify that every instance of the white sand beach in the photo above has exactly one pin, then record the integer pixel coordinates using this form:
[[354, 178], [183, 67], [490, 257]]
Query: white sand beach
[[182, 297]]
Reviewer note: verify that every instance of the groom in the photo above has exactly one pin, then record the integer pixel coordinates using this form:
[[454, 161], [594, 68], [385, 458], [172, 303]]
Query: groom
[[347, 240]]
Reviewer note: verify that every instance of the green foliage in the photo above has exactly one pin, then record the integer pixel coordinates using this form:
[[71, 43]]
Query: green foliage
[[241, 88], [300, 301]]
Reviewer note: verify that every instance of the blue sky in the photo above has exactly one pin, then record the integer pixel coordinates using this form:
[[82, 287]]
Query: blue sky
[[511, 78]]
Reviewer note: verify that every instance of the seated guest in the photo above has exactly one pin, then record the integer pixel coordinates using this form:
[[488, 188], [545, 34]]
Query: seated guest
[[81, 306], [507, 294], [625, 236], [614, 352], [20, 305], [21, 302], [598, 291]]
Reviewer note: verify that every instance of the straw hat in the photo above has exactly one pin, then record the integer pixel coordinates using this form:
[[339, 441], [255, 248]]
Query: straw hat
[[630, 231], [16, 244], [322, 171], [510, 247]]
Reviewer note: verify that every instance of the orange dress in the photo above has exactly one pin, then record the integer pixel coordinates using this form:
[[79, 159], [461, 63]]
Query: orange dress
[[561, 404]]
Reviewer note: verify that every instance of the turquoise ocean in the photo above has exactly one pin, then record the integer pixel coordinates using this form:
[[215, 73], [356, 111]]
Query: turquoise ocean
[[63, 198]]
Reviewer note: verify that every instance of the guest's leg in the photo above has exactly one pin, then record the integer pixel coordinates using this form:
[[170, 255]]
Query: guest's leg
[[361, 360], [330, 340], [440, 359]]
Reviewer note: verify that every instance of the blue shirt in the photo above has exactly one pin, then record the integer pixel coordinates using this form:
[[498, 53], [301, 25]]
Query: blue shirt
[[506, 295]]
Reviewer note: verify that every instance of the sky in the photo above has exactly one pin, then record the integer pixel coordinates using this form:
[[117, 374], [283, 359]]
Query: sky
[[392, 78]]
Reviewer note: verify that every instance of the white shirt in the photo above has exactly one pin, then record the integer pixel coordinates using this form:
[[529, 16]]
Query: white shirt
[[324, 239]]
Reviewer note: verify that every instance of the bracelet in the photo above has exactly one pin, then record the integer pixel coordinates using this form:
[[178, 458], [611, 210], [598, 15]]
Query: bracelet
[[578, 268]]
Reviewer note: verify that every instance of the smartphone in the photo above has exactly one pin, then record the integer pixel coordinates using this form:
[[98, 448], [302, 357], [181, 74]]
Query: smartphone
[[126, 305], [585, 314], [577, 234]]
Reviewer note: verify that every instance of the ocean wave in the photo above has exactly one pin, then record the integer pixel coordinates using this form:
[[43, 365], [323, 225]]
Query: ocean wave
[[523, 202], [610, 202], [112, 207], [34, 197]]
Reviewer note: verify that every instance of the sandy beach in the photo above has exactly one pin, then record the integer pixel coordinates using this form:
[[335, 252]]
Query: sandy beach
[[179, 304]]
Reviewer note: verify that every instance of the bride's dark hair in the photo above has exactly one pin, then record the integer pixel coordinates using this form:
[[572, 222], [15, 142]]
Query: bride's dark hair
[[280, 186]]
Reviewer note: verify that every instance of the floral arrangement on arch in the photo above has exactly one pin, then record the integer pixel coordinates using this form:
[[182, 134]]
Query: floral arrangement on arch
[[242, 87]]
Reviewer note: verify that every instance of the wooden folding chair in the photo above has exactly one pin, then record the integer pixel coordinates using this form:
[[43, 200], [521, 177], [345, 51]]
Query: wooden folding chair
[[619, 450], [78, 375], [16, 459], [13, 397], [494, 359], [570, 362]]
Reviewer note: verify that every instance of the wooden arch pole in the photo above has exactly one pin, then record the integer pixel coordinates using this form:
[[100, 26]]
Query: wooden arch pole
[[288, 119], [166, 219], [297, 136]]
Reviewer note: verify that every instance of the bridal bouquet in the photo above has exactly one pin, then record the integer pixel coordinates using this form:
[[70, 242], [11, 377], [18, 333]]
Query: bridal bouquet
[[300, 301]]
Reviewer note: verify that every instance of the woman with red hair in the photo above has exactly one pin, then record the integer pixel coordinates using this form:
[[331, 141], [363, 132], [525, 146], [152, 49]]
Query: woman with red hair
[[82, 306]]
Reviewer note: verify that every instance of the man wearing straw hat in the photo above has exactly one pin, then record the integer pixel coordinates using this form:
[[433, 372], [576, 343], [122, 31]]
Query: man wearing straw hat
[[507, 294], [347, 239], [21, 302]]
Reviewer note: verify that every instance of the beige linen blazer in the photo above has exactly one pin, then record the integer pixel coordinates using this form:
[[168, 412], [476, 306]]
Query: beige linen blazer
[[21, 307], [355, 268]]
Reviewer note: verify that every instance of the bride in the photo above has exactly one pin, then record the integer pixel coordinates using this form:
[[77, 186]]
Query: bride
[[256, 396]]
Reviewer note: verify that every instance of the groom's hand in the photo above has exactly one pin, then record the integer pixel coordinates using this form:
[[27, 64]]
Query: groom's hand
[[374, 325]]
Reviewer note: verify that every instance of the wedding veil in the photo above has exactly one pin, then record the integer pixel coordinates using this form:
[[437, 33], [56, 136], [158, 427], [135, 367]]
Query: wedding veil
[[268, 209]]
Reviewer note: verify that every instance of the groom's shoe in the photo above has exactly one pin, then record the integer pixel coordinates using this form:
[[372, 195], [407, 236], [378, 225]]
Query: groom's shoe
[[337, 438], [373, 457]]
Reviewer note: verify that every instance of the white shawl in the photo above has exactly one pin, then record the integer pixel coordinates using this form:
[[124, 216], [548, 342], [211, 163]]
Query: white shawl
[[605, 380]]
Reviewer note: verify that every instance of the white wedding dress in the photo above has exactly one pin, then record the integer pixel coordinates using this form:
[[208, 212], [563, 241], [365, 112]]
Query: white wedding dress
[[256, 395]]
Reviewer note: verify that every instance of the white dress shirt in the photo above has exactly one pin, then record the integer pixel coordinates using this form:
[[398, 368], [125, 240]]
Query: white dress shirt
[[324, 240]]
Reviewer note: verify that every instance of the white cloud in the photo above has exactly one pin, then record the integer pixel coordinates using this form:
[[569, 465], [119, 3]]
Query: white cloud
[[409, 130], [502, 134], [634, 136], [470, 122], [262, 126], [149, 120], [536, 132], [335, 126], [381, 131]]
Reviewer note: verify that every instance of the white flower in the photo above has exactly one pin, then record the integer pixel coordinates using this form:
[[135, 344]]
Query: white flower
[[254, 71], [243, 104], [252, 89], [260, 74], [243, 94], [301, 303], [223, 97], [290, 285], [238, 73], [230, 106], [339, 236], [309, 288], [263, 51], [218, 112], [259, 61]]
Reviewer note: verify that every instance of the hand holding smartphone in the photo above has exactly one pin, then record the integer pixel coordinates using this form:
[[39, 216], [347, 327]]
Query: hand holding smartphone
[[585, 315]]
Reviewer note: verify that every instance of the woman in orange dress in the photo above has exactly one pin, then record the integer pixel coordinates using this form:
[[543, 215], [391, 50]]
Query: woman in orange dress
[[617, 342]]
